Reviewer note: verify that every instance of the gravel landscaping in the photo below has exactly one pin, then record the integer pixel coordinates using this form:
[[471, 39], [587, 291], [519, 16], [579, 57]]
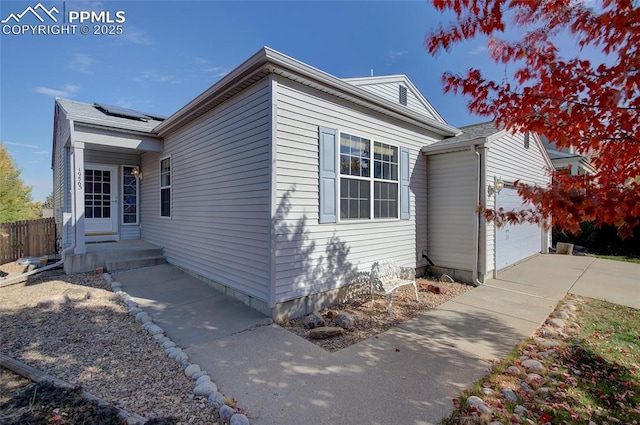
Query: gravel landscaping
[[74, 328]]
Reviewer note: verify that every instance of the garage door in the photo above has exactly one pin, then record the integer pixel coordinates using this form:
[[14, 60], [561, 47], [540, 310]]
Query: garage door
[[515, 241]]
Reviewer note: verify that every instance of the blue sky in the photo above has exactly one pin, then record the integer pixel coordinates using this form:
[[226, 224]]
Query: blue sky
[[170, 51]]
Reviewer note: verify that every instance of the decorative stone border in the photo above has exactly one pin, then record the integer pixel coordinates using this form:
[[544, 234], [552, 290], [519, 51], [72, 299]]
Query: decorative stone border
[[203, 385]]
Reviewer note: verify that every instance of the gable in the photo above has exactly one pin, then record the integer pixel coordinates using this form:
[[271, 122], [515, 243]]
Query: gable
[[390, 88]]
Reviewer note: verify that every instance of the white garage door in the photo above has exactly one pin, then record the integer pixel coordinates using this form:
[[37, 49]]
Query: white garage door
[[515, 241]]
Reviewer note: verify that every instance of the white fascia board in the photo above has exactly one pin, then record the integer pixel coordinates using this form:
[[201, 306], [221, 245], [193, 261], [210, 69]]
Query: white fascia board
[[269, 60], [437, 148], [93, 135]]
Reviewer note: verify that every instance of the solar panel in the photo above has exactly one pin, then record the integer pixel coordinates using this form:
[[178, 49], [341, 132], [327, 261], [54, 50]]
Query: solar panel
[[156, 117], [121, 112]]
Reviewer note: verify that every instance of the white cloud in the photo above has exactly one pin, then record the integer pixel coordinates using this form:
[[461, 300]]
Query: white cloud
[[392, 55], [156, 77], [210, 69], [21, 145], [82, 62], [41, 152], [135, 36], [68, 90]]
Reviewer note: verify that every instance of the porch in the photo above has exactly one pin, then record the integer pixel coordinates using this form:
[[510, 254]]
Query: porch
[[117, 255]]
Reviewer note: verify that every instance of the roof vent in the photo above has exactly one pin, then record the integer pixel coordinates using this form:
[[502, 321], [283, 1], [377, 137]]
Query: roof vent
[[403, 95]]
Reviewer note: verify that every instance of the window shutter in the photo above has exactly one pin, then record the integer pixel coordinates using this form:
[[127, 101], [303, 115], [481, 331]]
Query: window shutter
[[405, 212], [526, 140], [328, 164]]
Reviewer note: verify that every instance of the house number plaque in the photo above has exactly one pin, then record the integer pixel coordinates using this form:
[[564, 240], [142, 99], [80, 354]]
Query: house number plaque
[[79, 179]]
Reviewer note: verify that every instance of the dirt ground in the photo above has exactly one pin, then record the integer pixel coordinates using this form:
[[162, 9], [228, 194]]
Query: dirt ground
[[374, 319]]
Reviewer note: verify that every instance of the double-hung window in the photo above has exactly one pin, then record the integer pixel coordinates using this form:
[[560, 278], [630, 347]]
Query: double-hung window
[[363, 175], [165, 187]]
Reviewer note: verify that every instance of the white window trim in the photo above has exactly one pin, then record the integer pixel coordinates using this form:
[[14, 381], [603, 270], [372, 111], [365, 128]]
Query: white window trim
[[170, 187], [371, 180], [122, 197]]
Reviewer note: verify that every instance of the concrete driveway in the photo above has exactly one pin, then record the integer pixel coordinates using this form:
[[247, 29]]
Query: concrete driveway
[[407, 375]]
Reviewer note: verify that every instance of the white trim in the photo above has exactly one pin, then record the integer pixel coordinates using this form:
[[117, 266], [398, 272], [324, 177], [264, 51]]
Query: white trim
[[170, 187], [266, 61], [371, 179], [273, 189], [122, 223], [114, 207]]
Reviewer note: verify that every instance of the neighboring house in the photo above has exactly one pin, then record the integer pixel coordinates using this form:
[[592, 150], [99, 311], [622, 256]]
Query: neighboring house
[[566, 159], [279, 184]]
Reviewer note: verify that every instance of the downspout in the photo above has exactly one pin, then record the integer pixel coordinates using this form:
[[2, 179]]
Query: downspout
[[476, 220]]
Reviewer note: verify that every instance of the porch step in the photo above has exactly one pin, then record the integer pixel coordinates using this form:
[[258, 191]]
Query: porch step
[[135, 263]]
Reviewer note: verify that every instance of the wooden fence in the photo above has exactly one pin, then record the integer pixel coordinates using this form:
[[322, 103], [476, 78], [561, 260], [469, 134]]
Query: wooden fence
[[30, 238]]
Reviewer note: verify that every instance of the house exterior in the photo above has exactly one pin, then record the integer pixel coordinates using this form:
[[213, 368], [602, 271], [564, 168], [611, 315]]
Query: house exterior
[[567, 160], [479, 167], [279, 185]]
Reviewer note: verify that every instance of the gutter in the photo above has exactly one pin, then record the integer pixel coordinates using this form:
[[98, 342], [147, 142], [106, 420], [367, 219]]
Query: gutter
[[477, 216]]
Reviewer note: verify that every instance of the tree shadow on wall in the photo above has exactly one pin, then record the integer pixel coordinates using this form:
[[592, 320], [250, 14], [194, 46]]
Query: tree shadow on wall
[[309, 263]]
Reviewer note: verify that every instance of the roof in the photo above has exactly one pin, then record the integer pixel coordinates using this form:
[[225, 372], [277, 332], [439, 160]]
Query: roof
[[554, 154], [471, 135], [268, 61], [88, 113]]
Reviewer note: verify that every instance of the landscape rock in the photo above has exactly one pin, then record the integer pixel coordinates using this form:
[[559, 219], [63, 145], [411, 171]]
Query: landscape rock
[[191, 370], [533, 365], [205, 389], [520, 410], [199, 375], [545, 343], [226, 413], [545, 354], [535, 378], [487, 391], [153, 329], [181, 357], [239, 419], [558, 323], [446, 278], [560, 314], [509, 395], [216, 400], [143, 317], [172, 352], [478, 403], [513, 370], [526, 386], [134, 310], [160, 338], [313, 320], [168, 344], [345, 320], [202, 378], [437, 289], [324, 332], [543, 390]]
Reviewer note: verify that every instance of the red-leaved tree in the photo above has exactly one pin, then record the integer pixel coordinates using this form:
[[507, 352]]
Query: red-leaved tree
[[593, 107]]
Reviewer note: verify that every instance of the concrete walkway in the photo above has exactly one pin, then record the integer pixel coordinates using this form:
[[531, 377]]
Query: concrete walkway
[[407, 375]]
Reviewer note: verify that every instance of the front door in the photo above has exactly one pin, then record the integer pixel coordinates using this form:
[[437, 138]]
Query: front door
[[101, 203]]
